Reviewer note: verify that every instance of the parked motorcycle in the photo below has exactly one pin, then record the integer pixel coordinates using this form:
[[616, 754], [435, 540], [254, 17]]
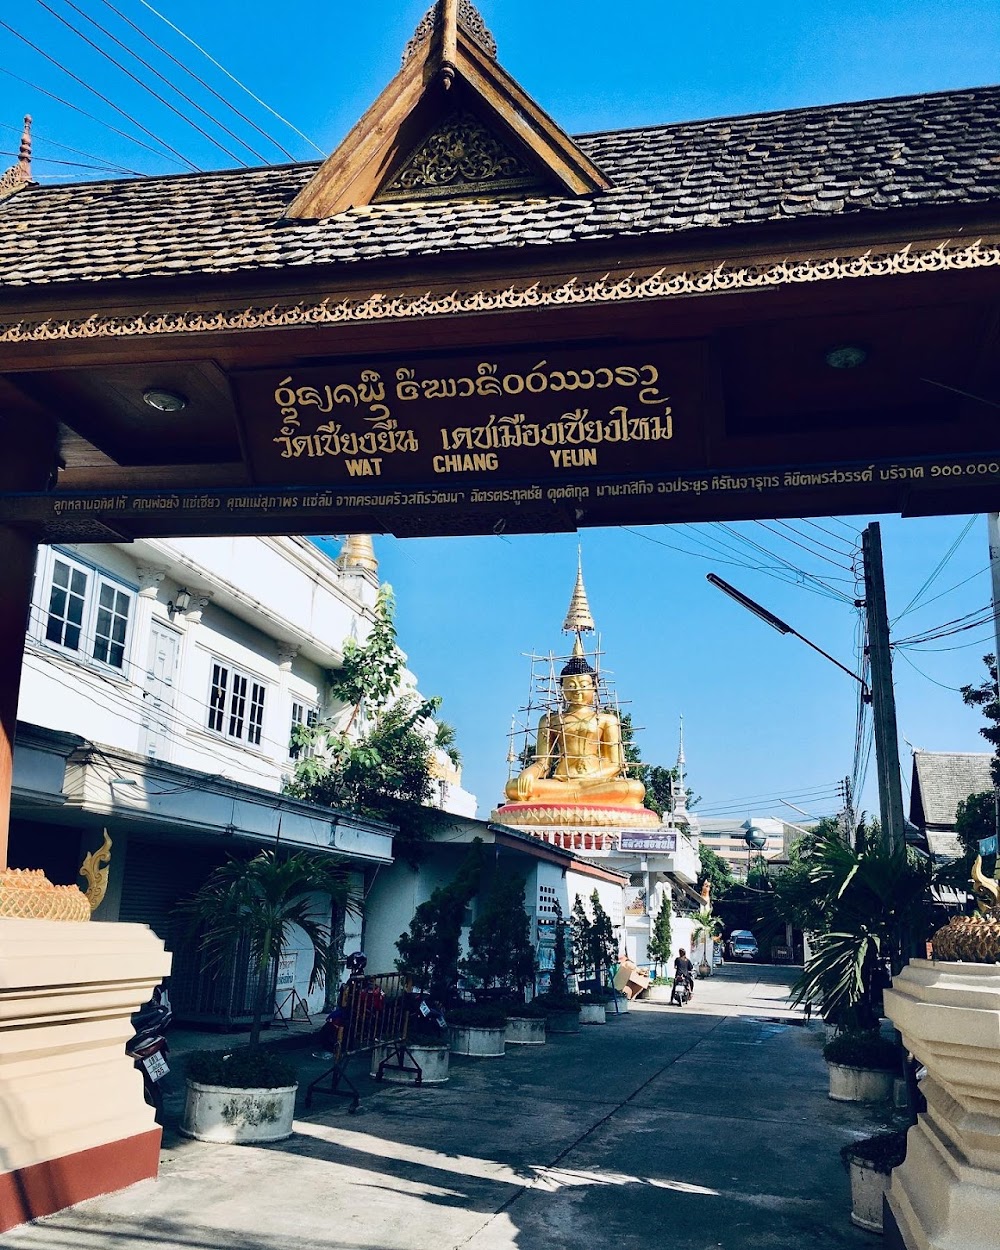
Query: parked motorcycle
[[148, 1046], [680, 991]]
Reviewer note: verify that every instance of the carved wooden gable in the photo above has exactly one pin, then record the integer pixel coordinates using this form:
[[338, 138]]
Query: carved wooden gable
[[460, 157], [452, 123]]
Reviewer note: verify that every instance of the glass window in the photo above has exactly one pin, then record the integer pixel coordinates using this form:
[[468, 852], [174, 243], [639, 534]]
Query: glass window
[[67, 600], [83, 611], [302, 714], [236, 705]]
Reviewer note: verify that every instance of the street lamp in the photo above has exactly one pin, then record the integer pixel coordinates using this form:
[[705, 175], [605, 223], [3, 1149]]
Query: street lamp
[[783, 628]]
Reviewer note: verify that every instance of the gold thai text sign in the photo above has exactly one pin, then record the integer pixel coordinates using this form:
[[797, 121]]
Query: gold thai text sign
[[488, 416]]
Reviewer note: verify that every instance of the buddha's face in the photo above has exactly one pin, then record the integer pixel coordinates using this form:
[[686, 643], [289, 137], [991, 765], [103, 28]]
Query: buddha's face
[[578, 689]]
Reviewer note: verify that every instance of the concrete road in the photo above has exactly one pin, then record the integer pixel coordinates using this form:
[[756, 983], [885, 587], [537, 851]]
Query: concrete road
[[698, 1128]]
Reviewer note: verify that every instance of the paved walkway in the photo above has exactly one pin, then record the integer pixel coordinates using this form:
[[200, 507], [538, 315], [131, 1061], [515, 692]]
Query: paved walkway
[[697, 1128]]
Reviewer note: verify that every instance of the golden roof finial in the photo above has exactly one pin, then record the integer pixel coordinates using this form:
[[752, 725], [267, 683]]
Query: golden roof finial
[[578, 618], [358, 552]]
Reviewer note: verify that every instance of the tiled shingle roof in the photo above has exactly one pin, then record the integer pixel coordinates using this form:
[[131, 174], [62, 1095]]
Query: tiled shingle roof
[[825, 162], [941, 780]]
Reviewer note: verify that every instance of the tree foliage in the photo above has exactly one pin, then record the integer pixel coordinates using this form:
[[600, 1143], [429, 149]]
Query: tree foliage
[[986, 696], [871, 902], [501, 955], [660, 946], [595, 948], [662, 783], [255, 904], [383, 770], [976, 819], [429, 950], [716, 871], [558, 983]]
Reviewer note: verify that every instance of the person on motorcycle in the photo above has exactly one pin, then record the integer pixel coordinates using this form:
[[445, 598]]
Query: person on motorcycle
[[684, 970]]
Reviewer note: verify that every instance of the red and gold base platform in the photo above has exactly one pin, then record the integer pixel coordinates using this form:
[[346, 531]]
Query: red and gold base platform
[[575, 816], [73, 1121]]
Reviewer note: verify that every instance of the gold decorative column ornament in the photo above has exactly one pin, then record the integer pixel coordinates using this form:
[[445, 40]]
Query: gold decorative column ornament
[[27, 894]]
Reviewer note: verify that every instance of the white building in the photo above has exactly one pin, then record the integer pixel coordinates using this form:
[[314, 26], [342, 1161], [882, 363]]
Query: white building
[[726, 836], [161, 683], [550, 875]]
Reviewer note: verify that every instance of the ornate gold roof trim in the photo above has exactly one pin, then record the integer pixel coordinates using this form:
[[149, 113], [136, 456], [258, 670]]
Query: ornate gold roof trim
[[448, 67], [661, 283]]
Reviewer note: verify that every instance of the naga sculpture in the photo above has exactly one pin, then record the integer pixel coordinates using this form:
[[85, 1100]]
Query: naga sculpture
[[27, 894], [974, 939]]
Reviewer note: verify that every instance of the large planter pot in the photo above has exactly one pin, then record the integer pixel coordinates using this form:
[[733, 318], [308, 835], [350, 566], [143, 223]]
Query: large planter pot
[[593, 1013], [219, 1114], [859, 1084], [658, 994], [946, 1194], [525, 1031], [868, 1187], [564, 1021], [478, 1043], [610, 1010], [431, 1060]]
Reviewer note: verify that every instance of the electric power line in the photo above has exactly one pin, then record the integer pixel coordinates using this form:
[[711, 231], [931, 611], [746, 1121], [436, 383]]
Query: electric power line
[[83, 112], [207, 86], [138, 81], [284, 121], [93, 90]]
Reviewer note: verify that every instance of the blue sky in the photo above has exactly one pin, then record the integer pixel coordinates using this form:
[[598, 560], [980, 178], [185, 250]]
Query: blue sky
[[763, 714]]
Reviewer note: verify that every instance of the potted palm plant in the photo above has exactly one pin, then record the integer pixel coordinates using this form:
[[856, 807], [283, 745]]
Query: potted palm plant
[[706, 928], [871, 896], [248, 1094], [870, 1163]]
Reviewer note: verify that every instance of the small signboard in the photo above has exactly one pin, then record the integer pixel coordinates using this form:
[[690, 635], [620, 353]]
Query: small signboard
[[650, 842], [286, 971]]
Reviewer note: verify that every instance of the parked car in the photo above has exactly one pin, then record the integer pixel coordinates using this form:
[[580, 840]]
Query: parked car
[[743, 944]]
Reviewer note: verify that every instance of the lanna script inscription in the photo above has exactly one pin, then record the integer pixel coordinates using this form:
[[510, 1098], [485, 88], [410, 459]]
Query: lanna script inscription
[[483, 416]]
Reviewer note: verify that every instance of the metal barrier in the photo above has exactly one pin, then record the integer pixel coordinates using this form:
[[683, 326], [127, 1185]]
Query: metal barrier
[[372, 1010]]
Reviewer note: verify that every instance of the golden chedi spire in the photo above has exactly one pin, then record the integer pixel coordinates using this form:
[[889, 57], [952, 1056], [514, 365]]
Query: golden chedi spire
[[579, 619], [358, 552]]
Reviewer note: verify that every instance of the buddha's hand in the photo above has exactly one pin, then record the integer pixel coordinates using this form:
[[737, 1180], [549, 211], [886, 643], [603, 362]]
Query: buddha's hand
[[525, 785]]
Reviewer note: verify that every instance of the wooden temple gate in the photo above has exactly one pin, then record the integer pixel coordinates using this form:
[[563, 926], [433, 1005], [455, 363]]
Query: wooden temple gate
[[466, 322]]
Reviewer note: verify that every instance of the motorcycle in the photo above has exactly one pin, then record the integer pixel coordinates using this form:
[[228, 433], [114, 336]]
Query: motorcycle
[[148, 1047], [681, 990]]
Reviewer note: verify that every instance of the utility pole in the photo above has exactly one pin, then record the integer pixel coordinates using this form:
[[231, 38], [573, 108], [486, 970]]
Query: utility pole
[[993, 530], [849, 822], [890, 792]]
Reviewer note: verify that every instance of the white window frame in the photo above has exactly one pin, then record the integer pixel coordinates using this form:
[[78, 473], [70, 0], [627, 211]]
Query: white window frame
[[238, 715], [303, 712], [97, 587]]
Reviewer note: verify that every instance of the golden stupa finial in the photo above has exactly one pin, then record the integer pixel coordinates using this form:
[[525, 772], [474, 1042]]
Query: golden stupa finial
[[578, 618], [358, 552]]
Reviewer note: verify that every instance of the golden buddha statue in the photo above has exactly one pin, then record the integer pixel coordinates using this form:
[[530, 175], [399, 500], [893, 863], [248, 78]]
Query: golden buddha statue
[[579, 756], [578, 775]]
